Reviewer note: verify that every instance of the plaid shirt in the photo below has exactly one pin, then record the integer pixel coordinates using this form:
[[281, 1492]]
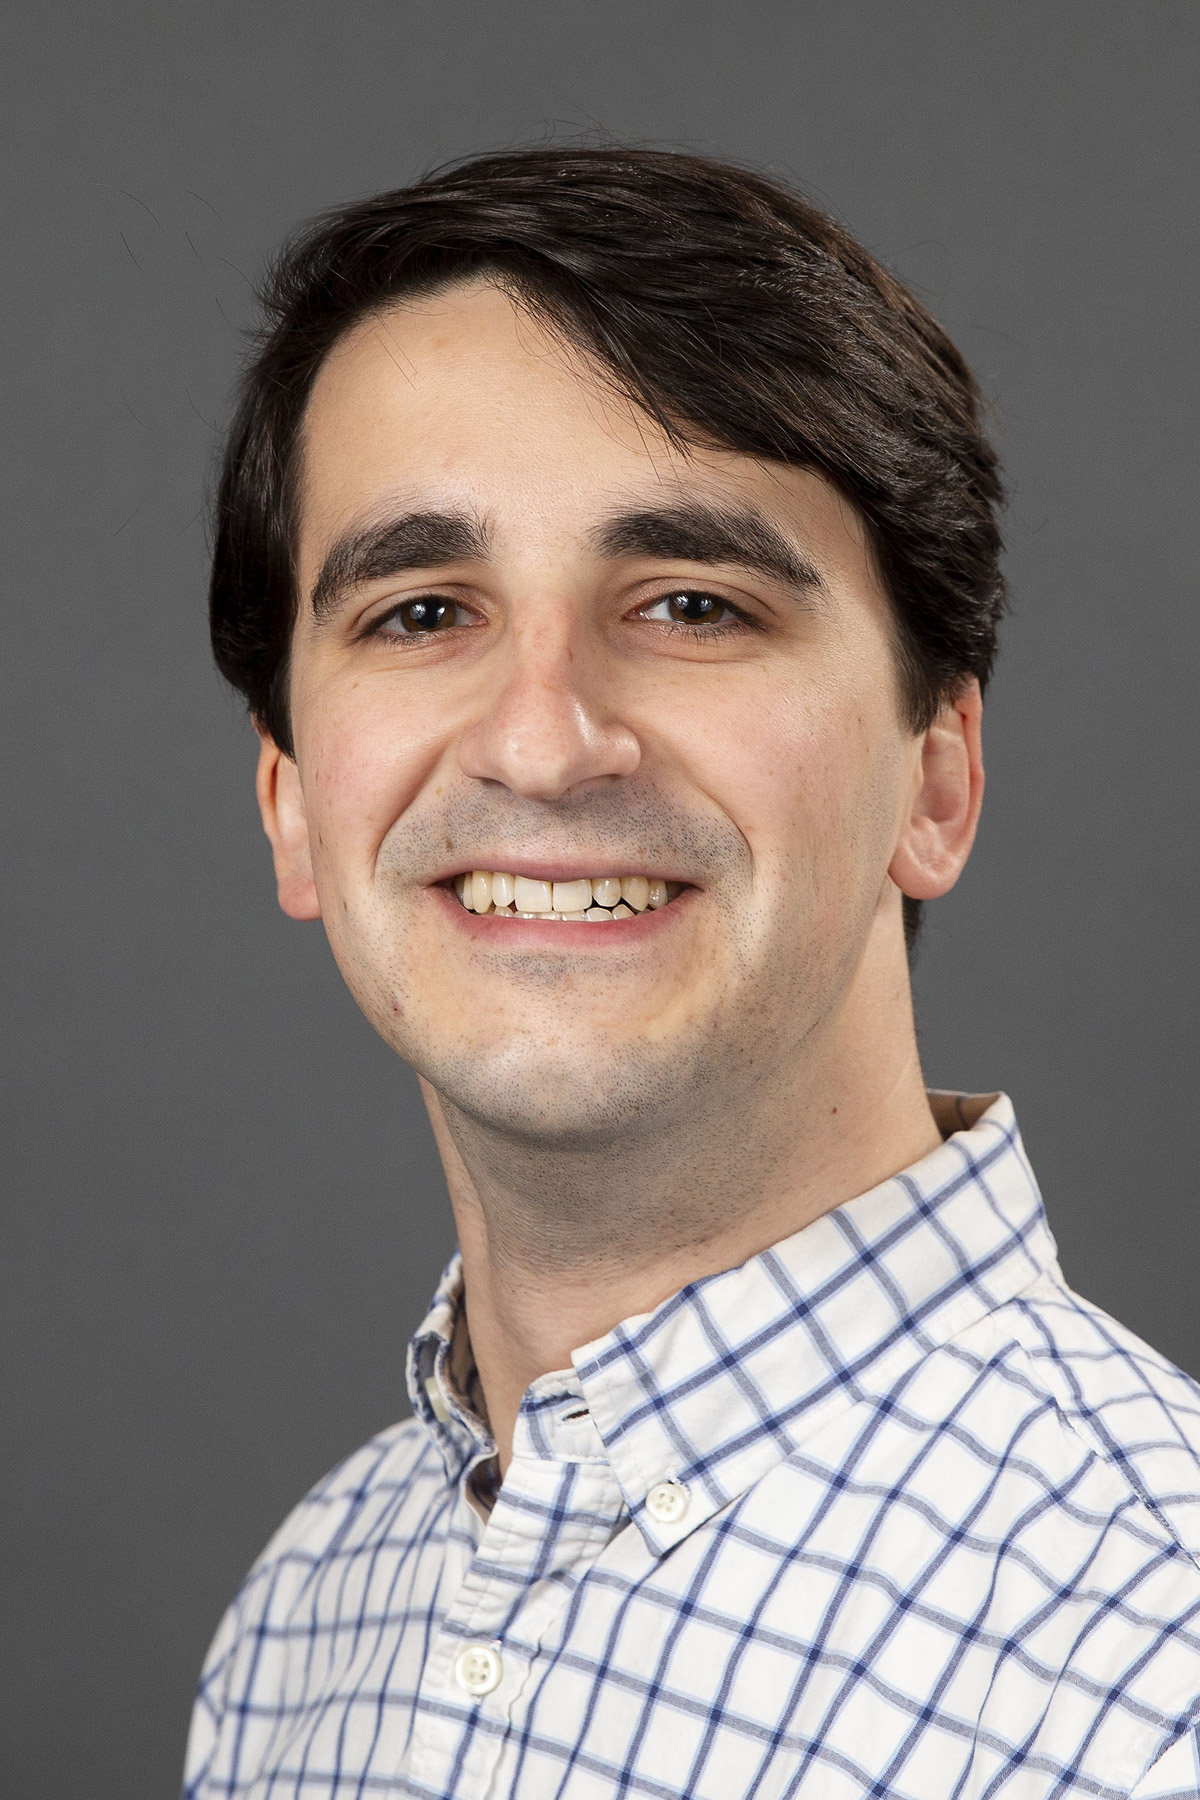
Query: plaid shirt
[[886, 1511]]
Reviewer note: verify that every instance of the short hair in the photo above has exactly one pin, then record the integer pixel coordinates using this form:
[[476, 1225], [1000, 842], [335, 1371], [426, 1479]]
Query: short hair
[[729, 308]]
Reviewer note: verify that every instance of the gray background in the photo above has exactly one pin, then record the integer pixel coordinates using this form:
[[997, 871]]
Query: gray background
[[222, 1208]]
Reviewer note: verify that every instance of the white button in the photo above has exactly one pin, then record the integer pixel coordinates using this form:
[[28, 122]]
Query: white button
[[478, 1668], [667, 1501]]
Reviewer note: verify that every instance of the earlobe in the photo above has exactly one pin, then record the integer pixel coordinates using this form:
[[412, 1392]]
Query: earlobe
[[939, 828], [285, 821]]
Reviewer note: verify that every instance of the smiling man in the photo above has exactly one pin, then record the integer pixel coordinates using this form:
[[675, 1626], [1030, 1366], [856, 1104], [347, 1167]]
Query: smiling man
[[606, 549]]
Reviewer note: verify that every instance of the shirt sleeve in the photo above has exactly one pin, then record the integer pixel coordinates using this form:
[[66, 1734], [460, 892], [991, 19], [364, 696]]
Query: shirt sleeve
[[1176, 1774]]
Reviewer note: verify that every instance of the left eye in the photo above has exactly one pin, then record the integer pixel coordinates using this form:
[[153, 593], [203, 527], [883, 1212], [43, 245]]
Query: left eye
[[416, 617], [687, 608]]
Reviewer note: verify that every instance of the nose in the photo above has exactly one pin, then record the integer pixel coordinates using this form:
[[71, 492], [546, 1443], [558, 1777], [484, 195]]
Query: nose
[[547, 726]]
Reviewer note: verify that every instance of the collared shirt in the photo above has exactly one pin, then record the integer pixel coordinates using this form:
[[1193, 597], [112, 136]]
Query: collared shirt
[[885, 1511]]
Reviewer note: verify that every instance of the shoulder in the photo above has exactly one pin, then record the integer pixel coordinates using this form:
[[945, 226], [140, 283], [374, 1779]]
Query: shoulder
[[1133, 1408], [375, 1498], [1064, 1464], [353, 1494]]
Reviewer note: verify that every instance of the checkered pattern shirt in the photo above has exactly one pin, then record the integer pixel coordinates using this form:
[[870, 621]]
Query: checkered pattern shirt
[[886, 1511]]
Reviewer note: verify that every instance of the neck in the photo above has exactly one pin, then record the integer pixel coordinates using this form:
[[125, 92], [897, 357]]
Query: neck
[[560, 1245]]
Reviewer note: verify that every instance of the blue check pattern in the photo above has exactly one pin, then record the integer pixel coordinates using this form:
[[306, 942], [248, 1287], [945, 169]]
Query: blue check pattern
[[934, 1535]]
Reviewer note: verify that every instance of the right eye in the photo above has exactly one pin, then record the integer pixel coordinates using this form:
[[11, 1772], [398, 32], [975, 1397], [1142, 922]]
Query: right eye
[[414, 618]]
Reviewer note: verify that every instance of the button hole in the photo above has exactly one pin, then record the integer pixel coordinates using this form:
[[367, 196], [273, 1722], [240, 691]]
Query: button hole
[[581, 1414]]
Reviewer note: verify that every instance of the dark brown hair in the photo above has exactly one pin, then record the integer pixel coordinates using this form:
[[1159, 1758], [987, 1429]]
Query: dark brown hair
[[728, 307]]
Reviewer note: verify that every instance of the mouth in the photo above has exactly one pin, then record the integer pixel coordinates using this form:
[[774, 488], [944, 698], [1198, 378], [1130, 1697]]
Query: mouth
[[583, 900]]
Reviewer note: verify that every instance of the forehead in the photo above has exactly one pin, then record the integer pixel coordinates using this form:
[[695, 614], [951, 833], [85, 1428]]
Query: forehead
[[462, 399]]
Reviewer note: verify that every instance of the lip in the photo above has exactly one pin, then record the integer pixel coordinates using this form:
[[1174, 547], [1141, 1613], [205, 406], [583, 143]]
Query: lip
[[556, 934]]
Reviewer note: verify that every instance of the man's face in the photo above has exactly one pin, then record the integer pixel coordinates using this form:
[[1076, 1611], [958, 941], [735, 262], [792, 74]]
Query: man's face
[[645, 663]]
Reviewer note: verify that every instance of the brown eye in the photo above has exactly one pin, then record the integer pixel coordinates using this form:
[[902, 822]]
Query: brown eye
[[687, 608], [415, 617]]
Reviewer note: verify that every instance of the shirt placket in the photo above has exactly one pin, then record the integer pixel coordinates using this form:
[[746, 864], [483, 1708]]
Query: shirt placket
[[558, 1507]]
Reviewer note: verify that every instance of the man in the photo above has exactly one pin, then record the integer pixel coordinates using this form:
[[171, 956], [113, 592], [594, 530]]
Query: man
[[607, 551]]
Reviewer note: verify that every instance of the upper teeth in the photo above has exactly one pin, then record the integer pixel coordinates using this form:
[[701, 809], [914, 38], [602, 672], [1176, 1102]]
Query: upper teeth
[[596, 897]]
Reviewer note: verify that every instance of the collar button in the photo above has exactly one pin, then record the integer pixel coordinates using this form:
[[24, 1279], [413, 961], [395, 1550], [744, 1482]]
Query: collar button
[[667, 1502]]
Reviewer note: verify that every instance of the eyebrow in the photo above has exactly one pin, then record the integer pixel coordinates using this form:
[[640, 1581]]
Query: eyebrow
[[412, 540], [696, 532], [691, 532]]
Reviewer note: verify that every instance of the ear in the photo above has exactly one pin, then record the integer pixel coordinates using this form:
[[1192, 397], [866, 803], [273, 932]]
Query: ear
[[281, 803], [939, 829]]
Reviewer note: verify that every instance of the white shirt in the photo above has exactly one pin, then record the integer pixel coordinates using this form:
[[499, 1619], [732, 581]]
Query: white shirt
[[885, 1511]]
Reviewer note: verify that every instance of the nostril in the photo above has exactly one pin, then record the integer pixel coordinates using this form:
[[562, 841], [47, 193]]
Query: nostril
[[543, 745]]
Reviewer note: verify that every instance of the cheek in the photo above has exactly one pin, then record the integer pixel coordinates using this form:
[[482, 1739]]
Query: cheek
[[362, 763], [809, 778]]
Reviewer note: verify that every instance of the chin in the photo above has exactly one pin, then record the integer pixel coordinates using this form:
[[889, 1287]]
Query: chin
[[573, 1097]]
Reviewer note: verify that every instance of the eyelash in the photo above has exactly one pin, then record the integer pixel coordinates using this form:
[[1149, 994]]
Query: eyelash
[[731, 627], [378, 627], [738, 621]]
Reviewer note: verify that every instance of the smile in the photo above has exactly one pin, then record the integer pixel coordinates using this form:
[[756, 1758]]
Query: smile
[[594, 900]]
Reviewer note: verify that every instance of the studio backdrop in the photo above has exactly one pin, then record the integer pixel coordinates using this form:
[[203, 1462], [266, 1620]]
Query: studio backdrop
[[222, 1210]]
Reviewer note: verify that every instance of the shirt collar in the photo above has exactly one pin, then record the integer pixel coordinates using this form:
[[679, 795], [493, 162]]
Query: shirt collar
[[736, 1370]]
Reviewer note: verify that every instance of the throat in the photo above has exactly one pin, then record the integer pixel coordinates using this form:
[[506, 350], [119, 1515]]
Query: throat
[[562, 1244]]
